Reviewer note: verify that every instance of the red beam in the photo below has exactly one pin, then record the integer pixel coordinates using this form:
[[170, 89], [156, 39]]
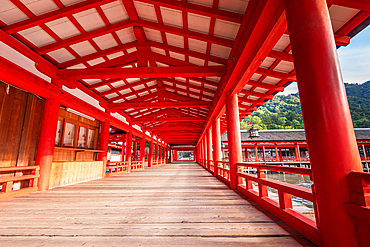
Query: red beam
[[82, 37], [124, 87], [188, 52], [167, 104], [198, 9], [276, 74], [172, 119], [186, 71], [53, 15], [186, 33], [265, 85], [355, 4], [97, 55], [281, 55]]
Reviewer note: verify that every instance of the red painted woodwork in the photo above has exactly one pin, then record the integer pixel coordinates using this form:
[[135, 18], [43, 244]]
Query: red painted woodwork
[[209, 149], [150, 157], [326, 116], [216, 138], [128, 149], [233, 135], [45, 149], [103, 143], [155, 72], [142, 151], [168, 105]]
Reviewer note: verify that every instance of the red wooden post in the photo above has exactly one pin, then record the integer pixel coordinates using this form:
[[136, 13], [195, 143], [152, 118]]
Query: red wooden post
[[329, 130], [135, 150], [277, 152], [205, 151], [45, 148], [142, 150], [216, 138], [156, 154], [209, 148], [103, 143], [296, 149], [233, 136], [150, 157], [128, 150]]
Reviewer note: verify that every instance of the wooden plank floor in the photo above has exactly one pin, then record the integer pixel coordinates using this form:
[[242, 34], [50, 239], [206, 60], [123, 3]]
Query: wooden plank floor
[[170, 205]]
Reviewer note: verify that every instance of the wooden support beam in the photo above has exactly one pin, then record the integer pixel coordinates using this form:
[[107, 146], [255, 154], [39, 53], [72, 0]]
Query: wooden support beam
[[276, 74], [265, 85], [186, 71]]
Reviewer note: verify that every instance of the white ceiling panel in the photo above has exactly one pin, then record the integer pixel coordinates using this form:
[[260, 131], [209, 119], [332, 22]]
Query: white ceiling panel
[[9, 13], [226, 29], [220, 51], [176, 40], [282, 44], [118, 83], [196, 61], [126, 35], [177, 56], [238, 6], [37, 36], [63, 27], [171, 17], [115, 55], [105, 41], [115, 12], [83, 48], [152, 34], [271, 80], [285, 66], [145, 11], [89, 19], [340, 15], [197, 45], [61, 55], [39, 7], [96, 61], [103, 88], [199, 23], [267, 62], [207, 3], [157, 50], [70, 2]]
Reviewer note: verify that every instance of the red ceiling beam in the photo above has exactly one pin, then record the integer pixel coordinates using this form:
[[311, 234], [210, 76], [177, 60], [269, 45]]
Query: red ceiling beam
[[355, 4], [281, 55], [167, 104], [186, 71], [276, 74], [127, 86], [85, 36], [353, 23], [187, 52], [175, 96], [172, 119], [54, 15], [189, 92], [166, 60], [189, 85], [97, 55], [147, 89], [185, 33], [256, 94], [265, 85], [120, 61], [198, 9]]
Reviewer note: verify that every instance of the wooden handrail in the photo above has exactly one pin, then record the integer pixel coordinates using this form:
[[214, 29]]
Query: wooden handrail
[[18, 168]]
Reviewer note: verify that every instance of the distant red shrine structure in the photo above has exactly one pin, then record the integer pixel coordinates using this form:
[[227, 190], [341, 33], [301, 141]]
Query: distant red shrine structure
[[79, 76]]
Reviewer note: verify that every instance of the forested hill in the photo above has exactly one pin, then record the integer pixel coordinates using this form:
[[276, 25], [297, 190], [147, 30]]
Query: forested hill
[[284, 111]]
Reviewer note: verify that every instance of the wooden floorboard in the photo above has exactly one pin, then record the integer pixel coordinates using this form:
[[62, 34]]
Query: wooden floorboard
[[169, 205]]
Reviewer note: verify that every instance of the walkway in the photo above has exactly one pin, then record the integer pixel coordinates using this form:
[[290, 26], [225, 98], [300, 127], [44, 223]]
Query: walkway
[[170, 205]]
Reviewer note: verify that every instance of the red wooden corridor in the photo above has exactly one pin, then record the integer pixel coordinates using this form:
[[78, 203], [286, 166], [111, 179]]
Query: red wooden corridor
[[104, 88]]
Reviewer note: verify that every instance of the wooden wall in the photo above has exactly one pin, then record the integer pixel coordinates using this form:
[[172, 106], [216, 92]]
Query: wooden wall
[[64, 173], [20, 122]]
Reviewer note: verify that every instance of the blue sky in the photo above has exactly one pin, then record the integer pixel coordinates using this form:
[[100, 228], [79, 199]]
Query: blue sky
[[354, 60]]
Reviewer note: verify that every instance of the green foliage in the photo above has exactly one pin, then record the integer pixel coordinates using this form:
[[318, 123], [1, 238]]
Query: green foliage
[[284, 111]]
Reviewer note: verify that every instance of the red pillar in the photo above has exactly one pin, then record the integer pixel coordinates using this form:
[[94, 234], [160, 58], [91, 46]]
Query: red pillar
[[128, 150], [103, 143], [209, 148], [216, 138], [233, 136], [135, 150], [205, 151], [45, 149], [150, 156], [142, 150], [329, 130], [156, 153]]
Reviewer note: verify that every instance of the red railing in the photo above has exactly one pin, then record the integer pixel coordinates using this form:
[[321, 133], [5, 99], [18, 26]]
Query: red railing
[[284, 207], [223, 171], [359, 205], [137, 165], [115, 168], [28, 178], [211, 166]]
